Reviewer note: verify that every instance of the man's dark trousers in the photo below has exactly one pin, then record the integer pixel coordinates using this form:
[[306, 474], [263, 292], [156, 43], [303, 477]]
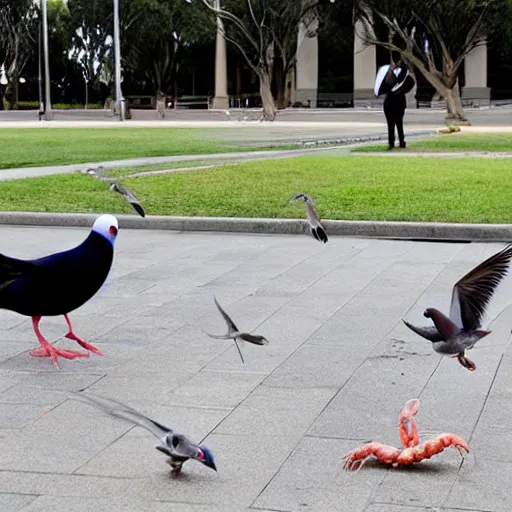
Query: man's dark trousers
[[394, 110]]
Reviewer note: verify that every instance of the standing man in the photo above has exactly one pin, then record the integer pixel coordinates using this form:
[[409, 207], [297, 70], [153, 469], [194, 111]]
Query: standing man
[[395, 101]]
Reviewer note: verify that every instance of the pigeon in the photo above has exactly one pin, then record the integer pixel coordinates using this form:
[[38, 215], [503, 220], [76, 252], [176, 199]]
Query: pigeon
[[235, 335], [116, 186], [59, 283], [176, 446], [470, 297], [314, 221]]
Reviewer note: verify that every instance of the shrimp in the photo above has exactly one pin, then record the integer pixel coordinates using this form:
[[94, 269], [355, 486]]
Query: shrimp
[[412, 453]]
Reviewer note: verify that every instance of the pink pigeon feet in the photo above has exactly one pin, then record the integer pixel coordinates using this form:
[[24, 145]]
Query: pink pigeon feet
[[55, 353], [48, 350], [72, 336]]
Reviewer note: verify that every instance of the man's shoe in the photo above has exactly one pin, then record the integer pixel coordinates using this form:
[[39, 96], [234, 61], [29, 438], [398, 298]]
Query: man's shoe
[[403, 145]]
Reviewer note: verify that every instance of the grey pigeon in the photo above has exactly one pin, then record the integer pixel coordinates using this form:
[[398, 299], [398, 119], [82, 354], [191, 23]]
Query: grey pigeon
[[470, 297], [314, 221], [116, 186], [235, 334], [178, 447]]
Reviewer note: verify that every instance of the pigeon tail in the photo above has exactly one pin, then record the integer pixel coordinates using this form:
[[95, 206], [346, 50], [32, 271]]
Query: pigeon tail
[[320, 234], [138, 208], [239, 348]]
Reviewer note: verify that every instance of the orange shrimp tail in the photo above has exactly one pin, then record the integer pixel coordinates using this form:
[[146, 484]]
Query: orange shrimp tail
[[407, 428], [354, 460], [431, 448]]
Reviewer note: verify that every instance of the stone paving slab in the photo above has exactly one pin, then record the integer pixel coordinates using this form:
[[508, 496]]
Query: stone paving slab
[[339, 366]]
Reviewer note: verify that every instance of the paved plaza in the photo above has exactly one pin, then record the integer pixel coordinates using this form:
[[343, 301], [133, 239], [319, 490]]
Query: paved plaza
[[495, 115], [339, 366]]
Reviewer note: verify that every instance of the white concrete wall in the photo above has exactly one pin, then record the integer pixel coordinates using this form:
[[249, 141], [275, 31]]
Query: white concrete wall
[[475, 90], [306, 69], [365, 67]]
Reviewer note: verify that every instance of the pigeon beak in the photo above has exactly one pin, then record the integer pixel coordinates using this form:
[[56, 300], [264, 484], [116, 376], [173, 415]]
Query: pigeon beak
[[205, 456], [210, 464]]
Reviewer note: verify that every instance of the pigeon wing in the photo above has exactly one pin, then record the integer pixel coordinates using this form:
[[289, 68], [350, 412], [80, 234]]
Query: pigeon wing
[[473, 292], [12, 269], [129, 196], [232, 328], [127, 413], [312, 214], [429, 332], [181, 446], [315, 222]]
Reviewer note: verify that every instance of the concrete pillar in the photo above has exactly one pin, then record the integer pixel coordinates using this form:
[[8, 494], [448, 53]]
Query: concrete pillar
[[475, 90], [365, 69], [410, 97], [306, 68], [220, 101]]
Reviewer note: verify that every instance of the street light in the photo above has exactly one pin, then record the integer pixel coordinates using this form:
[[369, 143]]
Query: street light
[[40, 71], [117, 62], [47, 99]]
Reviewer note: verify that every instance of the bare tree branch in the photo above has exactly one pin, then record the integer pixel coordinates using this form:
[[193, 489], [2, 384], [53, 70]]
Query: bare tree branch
[[235, 20]]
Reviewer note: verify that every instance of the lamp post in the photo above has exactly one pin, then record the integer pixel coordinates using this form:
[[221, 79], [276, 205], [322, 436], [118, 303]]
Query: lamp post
[[47, 99], [40, 72], [117, 62], [220, 100]]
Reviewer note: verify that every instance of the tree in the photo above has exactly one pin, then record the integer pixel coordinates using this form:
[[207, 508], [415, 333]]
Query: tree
[[160, 39], [434, 36], [91, 42], [19, 20], [266, 34]]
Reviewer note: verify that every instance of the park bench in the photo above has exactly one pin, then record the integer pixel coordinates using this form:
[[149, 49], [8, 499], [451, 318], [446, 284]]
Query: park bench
[[193, 102], [141, 102]]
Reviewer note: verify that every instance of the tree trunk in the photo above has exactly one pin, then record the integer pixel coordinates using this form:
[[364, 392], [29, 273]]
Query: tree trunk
[[16, 93], [267, 100], [454, 109], [279, 83], [8, 96]]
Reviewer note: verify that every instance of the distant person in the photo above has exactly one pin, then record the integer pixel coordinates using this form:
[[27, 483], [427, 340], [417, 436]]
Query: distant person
[[395, 101]]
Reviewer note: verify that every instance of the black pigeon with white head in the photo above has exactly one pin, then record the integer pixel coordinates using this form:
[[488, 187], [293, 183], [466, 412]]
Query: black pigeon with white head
[[59, 283], [315, 224], [177, 447], [235, 334], [470, 297]]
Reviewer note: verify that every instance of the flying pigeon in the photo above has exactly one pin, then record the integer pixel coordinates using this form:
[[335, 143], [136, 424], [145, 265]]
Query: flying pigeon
[[178, 447], [116, 186], [470, 297], [314, 222], [235, 335], [59, 283]]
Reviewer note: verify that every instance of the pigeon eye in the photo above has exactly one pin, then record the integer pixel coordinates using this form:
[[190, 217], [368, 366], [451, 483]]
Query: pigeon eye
[[200, 455], [113, 230]]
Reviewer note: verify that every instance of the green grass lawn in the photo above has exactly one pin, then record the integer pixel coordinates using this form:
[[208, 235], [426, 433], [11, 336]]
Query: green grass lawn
[[494, 142], [26, 147], [126, 171], [369, 188]]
